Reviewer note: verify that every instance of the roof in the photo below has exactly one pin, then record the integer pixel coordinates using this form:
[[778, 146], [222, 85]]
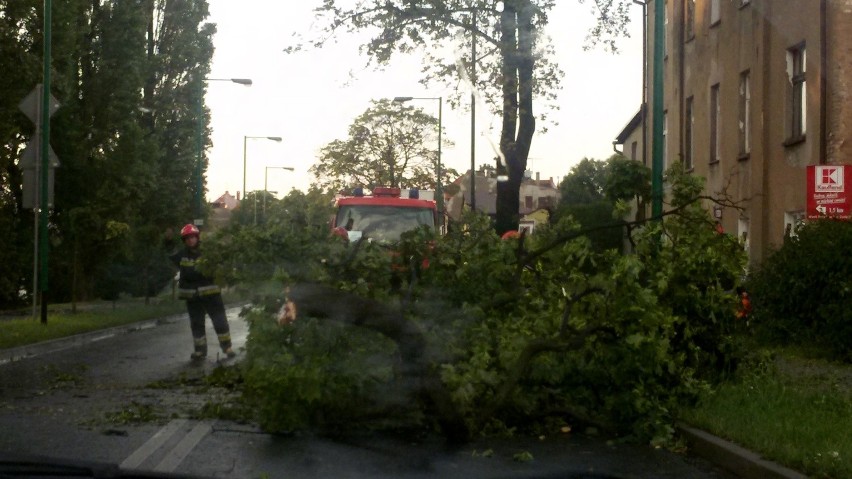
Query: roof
[[227, 200], [628, 129], [542, 183]]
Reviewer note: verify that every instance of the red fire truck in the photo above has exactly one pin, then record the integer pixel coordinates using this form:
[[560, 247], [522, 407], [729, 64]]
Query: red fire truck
[[382, 216]]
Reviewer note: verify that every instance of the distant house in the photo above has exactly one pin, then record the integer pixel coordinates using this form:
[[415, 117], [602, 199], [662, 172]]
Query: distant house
[[632, 138], [221, 209], [227, 201], [529, 221], [535, 195]]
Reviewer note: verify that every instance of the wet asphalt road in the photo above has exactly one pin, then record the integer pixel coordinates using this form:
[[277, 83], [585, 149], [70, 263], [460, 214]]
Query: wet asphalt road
[[126, 399]]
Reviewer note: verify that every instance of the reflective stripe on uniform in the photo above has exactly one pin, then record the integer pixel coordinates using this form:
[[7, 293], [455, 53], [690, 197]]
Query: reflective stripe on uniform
[[209, 290], [185, 293], [189, 262]]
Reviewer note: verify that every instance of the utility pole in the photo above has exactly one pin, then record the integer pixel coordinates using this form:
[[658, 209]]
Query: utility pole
[[199, 162], [45, 159], [473, 112], [657, 113]]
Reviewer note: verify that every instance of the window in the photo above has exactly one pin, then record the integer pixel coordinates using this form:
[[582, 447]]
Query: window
[[798, 91], [689, 121], [528, 202], [689, 20], [715, 12], [742, 233], [745, 113], [633, 149], [715, 114]]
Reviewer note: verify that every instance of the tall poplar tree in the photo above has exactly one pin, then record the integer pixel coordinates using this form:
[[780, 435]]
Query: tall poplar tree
[[129, 76]]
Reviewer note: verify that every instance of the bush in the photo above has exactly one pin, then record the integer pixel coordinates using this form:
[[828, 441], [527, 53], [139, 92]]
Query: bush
[[802, 292]]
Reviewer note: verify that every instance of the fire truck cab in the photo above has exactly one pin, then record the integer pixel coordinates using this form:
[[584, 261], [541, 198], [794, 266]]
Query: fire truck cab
[[382, 216]]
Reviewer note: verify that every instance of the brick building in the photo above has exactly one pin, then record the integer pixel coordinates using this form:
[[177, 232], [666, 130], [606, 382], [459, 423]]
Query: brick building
[[754, 91]]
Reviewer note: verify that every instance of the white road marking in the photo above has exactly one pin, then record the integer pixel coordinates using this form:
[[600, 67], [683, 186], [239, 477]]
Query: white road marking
[[184, 447], [157, 440], [101, 338]]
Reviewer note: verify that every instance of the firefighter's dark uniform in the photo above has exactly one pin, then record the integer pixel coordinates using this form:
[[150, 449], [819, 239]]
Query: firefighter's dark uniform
[[202, 296]]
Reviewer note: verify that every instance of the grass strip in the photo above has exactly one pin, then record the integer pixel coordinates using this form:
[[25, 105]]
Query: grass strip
[[801, 418], [62, 323]]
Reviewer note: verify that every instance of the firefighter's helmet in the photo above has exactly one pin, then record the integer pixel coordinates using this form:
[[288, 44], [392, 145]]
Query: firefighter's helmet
[[189, 230]]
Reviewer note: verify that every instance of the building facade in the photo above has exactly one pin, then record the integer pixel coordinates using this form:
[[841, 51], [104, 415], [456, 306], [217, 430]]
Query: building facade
[[754, 92]]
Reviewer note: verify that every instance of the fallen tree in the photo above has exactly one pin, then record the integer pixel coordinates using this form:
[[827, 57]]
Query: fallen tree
[[498, 334]]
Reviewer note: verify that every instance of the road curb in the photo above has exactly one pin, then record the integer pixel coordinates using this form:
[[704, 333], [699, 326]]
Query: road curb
[[734, 458], [28, 351], [11, 355]]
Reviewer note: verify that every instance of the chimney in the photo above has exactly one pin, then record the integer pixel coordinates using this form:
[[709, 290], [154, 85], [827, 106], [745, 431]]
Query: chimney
[[238, 196], [537, 177]]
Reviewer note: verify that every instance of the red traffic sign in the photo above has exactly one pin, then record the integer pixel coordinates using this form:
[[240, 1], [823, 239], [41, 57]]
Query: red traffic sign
[[829, 191]]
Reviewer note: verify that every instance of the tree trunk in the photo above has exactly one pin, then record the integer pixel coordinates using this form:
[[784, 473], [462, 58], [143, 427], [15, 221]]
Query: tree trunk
[[517, 37]]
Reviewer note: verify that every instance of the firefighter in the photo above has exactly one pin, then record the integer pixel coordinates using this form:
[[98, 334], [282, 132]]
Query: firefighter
[[202, 296]]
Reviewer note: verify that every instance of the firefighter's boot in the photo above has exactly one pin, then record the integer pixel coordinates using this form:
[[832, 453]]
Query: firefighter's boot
[[200, 349], [225, 343]]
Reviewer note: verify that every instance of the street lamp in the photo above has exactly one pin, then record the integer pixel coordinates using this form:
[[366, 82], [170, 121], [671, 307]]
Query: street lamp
[[265, 191], [198, 167], [245, 141], [439, 193]]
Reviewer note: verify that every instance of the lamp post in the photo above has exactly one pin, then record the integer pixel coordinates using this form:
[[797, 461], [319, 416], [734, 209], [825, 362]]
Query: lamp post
[[245, 142], [200, 162], [265, 191], [439, 193]]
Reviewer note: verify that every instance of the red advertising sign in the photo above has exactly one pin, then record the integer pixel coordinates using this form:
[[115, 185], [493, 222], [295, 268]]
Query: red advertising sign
[[829, 191]]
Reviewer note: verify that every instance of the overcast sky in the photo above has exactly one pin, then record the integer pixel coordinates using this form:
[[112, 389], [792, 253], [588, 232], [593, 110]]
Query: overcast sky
[[310, 98]]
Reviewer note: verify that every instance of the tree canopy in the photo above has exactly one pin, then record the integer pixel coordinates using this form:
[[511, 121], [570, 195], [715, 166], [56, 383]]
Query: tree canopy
[[584, 183], [390, 144], [597, 193]]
